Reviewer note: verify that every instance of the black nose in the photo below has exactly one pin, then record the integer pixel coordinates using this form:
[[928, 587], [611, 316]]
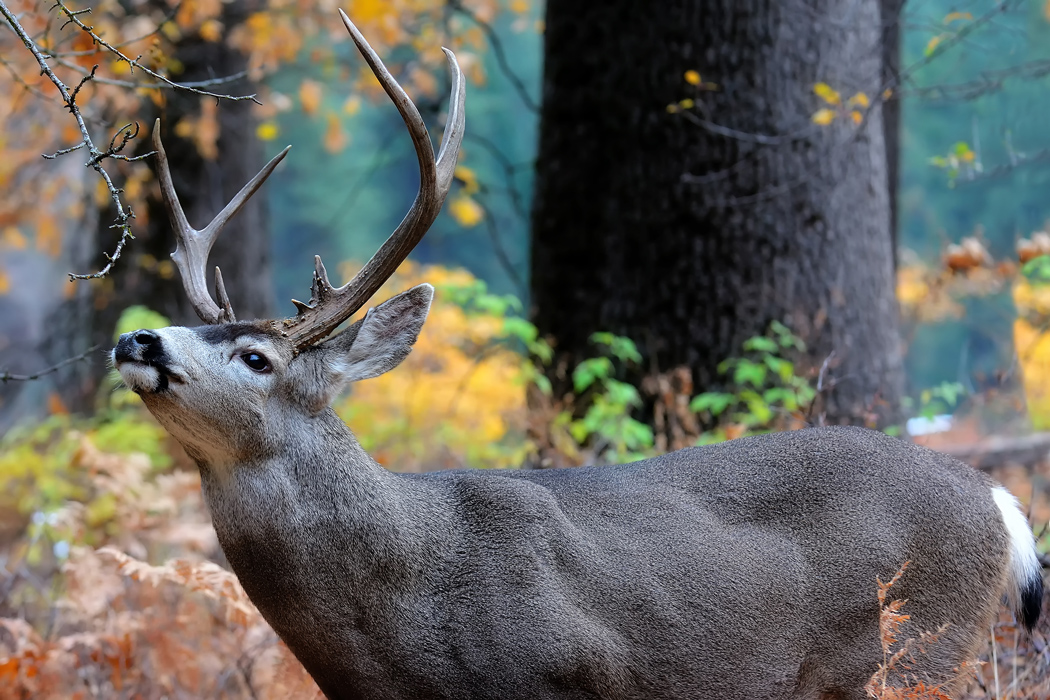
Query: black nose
[[136, 346], [145, 337]]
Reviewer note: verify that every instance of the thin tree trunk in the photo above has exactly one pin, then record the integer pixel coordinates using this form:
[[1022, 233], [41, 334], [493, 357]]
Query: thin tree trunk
[[692, 237], [891, 109]]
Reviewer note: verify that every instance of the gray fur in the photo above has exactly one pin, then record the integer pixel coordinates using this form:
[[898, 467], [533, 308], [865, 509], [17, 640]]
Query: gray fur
[[745, 570]]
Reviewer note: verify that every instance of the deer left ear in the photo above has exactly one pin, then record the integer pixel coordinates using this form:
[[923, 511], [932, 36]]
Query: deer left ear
[[381, 340]]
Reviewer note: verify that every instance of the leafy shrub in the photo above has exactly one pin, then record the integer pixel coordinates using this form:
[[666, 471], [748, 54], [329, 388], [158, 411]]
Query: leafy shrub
[[763, 390]]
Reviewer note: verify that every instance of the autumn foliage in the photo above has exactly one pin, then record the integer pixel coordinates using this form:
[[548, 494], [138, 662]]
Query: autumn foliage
[[122, 66]]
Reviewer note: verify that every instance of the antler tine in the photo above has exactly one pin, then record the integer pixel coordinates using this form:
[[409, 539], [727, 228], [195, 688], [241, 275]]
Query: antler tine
[[193, 246], [328, 306]]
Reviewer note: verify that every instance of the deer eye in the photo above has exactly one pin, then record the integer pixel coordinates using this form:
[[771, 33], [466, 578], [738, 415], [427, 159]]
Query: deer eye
[[256, 361]]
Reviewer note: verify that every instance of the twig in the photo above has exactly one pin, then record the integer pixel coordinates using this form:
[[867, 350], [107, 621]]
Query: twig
[[133, 63], [501, 252], [8, 377], [509, 170], [497, 49]]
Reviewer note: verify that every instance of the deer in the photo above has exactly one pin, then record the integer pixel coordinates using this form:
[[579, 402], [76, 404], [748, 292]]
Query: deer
[[739, 571]]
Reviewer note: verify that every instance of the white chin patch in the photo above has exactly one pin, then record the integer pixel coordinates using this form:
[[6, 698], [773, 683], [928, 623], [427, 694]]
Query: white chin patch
[[140, 378]]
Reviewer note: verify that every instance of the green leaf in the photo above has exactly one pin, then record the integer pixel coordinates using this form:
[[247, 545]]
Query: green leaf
[[781, 367], [622, 393], [621, 348], [543, 383], [713, 402], [637, 435], [491, 304], [1037, 270], [760, 343], [517, 327], [748, 372], [589, 371], [135, 318]]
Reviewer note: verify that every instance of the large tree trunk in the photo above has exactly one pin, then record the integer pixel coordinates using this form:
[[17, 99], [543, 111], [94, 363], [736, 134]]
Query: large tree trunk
[[692, 238]]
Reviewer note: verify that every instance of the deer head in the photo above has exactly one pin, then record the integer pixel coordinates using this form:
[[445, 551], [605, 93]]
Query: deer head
[[221, 389]]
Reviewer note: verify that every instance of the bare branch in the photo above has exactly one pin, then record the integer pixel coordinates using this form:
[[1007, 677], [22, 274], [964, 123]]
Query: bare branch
[[73, 17], [497, 50], [8, 377]]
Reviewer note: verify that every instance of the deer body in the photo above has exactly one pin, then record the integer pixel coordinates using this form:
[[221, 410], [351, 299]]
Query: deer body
[[743, 571]]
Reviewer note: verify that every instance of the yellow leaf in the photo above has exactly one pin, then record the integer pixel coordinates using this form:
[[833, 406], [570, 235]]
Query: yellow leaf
[[5, 283], [466, 211], [692, 77], [211, 30], [953, 16], [1046, 10], [823, 116], [13, 238], [469, 179], [859, 100], [519, 6], [671, 109], [267, 131], [352, 105], [171, 31], [827, 93], [184, 128], [887, 94], [932, 44], [686, 103], [856, 116], [310, 96]]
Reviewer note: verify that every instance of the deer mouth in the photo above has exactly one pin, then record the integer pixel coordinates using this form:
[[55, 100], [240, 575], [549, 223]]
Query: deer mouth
[[145, 377], [143, 367]]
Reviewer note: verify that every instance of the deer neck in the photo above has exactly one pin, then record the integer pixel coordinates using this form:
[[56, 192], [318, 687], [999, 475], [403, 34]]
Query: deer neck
[[317, 519]]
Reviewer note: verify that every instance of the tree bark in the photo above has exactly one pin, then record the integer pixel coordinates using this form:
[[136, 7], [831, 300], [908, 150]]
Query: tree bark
[[691, 231]]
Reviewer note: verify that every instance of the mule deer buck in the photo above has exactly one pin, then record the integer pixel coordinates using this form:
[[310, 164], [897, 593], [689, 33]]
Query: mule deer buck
[[745, 570]]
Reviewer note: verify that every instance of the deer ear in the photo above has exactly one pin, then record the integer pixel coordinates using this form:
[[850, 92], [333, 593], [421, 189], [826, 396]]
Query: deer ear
[[381, 340]]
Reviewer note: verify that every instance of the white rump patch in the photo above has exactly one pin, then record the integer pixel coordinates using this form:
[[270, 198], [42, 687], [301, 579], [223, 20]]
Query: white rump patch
[[1024, 562]]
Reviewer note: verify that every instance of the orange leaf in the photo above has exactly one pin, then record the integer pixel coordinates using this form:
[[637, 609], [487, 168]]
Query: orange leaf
[[334, 136], [310, 96], [55, 406], [48, 236]]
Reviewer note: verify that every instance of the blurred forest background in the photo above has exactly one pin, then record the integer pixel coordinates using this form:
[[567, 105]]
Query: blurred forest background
[[669, 226]]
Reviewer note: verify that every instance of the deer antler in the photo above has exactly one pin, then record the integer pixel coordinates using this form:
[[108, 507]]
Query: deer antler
[[331, 306], [193, 246]]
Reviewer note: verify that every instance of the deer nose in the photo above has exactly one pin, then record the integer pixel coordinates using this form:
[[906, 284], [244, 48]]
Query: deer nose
[[145, 338], [136, 345]]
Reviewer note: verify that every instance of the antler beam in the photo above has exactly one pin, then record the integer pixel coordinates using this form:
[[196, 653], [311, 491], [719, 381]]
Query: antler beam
[[330, 306], [193, 246]]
